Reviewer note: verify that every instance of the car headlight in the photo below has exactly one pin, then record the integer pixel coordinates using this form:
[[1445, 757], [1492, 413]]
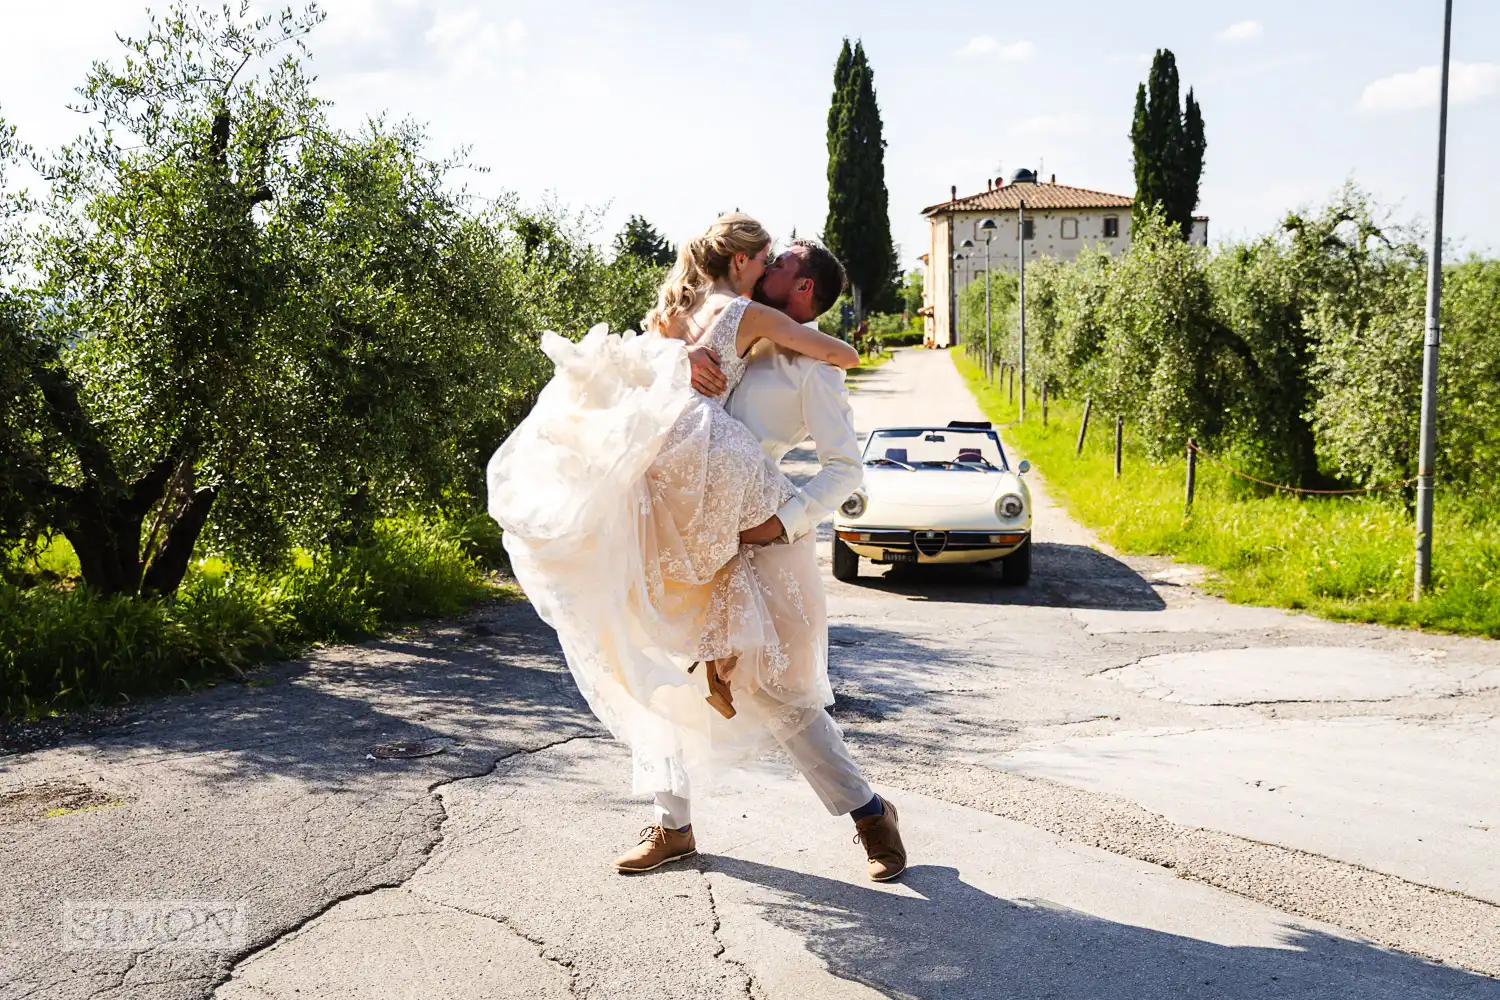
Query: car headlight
[[854, 506], [1010, 506]]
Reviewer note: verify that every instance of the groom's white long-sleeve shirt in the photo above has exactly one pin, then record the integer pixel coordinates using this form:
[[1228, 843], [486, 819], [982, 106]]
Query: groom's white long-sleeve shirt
[[785, 398]]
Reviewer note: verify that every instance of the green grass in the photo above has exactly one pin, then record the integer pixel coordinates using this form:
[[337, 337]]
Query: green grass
[[870, 362], [62, 647], [1343, 558]]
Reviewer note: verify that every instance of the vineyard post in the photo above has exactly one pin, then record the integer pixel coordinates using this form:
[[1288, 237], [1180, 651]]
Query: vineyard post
[[1192, 471], [1119, 443], [1083, 428], [1044, 403], [1427, 453]]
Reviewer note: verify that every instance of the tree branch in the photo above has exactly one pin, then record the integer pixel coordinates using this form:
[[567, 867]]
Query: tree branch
[[65, 413]]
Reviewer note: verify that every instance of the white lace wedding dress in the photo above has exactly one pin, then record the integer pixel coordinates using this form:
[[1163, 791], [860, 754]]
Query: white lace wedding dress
[[622, 495]]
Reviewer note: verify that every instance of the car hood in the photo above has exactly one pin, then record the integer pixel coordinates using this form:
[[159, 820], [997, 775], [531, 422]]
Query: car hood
[[935, 487]]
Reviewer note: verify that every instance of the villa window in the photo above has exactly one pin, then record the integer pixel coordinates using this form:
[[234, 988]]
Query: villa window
[[1111, 227], [1028, 230], [1070, 229]]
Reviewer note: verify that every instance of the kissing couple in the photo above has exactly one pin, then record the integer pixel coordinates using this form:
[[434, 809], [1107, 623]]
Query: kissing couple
[[647, 519]]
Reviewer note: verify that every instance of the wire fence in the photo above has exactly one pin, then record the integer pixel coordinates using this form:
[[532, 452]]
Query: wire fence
[[1193, 446]]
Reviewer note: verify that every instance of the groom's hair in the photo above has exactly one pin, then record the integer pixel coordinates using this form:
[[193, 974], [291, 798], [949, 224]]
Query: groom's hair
[[827, 274]]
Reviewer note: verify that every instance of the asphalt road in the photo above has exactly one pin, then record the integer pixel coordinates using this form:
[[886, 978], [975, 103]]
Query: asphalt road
[[1112, 786]]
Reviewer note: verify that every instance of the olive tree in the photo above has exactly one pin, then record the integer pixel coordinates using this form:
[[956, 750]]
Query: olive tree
[[238, 324]]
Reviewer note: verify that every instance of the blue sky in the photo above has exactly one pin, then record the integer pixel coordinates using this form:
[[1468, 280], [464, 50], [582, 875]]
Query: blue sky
[[677, 111]]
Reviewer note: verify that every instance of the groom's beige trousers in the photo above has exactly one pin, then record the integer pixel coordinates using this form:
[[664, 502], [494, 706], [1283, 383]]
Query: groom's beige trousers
[[823, 758], [818, 751]]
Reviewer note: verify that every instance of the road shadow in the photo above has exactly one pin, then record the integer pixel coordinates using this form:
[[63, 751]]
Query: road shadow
[[1062, 576], [484, 687], [953, 941]]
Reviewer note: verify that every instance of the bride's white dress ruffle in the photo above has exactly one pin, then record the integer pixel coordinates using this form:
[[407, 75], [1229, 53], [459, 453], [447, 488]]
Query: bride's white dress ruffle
[[622, 495]]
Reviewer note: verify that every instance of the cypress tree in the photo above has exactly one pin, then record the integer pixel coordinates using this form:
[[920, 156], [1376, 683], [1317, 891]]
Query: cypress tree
[[858, 228], [1194, 145], [840, 86], [640, 239], [1169, 145]]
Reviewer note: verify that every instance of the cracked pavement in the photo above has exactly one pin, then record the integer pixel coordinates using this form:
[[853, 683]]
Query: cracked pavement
[[1112, 786]]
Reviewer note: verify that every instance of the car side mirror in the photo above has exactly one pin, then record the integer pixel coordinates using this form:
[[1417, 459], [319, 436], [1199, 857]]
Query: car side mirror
[[1024, 467]]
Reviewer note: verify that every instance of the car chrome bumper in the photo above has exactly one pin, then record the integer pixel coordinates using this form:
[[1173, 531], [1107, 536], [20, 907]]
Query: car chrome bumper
[[920, 545]]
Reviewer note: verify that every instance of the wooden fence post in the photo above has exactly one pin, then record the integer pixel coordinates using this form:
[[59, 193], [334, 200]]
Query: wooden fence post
[[1044, 404], [1192, 471], [1012, 382], [1119, 443], [1083, 428]]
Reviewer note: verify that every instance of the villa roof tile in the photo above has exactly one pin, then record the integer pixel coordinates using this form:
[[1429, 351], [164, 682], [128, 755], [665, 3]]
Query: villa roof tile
[[1038, 197]]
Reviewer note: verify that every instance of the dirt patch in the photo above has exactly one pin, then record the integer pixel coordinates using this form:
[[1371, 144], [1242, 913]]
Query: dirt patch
[[50, 799]]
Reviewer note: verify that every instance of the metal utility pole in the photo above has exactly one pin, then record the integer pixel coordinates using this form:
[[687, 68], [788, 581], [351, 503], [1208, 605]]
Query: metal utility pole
[[1427, 455], [1021, 360], [988, 227], [958, 315]]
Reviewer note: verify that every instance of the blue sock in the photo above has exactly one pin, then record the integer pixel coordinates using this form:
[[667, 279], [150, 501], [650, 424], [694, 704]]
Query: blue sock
[[874, 807], [683, 829]]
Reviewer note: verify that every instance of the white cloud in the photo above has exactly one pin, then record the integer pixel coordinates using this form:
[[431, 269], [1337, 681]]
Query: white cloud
[[1468, 83], [1053, 125], [1242, 31], [987, 46], [472, 46]]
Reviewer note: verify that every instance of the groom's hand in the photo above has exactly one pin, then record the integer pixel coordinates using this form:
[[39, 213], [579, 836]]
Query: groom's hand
[[708, 377], [763, 534]]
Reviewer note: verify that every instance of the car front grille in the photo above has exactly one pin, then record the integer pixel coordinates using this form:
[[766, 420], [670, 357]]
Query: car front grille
[[930, 543]]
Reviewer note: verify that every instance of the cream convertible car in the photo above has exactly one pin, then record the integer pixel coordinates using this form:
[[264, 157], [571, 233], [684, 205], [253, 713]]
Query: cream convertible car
[[936, 495]]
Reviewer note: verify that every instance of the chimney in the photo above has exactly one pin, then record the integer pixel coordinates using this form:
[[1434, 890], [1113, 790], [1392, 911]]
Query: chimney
[[954, 192], [989, 185], [1054, 178]]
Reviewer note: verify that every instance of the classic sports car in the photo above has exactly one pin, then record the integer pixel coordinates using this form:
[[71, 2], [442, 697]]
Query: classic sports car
[[936, 495]]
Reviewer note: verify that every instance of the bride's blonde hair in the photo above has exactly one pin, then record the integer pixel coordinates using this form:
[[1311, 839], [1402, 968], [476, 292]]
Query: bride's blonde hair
[[701, 261]]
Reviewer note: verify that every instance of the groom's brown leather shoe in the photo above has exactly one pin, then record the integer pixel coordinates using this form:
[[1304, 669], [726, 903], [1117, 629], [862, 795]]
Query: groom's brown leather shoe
[[658, 846], [881, 836]]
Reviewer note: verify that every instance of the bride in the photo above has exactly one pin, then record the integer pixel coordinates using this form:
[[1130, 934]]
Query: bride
[[622, 496]]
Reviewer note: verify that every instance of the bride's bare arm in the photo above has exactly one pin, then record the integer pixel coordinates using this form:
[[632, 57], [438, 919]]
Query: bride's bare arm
[[763, 322]]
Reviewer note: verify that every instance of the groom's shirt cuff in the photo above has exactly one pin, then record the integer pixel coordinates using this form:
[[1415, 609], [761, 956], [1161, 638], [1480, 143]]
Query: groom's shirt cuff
[[830, 423]]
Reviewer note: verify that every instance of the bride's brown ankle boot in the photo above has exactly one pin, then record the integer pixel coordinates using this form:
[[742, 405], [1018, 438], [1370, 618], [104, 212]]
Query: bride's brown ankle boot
[[719, 695]]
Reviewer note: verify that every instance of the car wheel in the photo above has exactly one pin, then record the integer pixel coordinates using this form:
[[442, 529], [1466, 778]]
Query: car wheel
[[1015, 569], [845, 561]]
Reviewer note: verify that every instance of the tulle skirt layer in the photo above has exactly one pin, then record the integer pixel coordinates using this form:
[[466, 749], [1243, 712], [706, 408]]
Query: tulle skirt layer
[[622, 496]]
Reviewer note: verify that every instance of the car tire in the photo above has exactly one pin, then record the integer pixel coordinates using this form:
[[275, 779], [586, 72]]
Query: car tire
[[1015, 569], [845, 561]]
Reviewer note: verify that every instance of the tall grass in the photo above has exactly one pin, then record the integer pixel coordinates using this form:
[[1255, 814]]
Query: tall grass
[[63, 647], [1346, 558]]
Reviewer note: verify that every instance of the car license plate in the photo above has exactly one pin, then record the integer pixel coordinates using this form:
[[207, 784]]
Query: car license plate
[[897, 556]]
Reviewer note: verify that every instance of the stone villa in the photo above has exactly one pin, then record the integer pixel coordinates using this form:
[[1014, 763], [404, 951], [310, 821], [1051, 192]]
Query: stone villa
[[1060, 221]]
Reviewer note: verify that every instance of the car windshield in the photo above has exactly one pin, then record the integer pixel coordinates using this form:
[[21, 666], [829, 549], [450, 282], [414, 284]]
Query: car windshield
[[929, 448]]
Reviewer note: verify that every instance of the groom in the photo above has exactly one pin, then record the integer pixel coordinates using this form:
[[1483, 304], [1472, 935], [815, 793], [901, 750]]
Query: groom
[[784, 398]]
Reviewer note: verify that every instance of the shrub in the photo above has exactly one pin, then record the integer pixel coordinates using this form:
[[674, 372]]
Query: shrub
[[66, 647]]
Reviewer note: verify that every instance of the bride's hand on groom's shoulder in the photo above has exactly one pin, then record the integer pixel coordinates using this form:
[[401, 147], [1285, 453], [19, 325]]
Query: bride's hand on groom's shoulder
[[708, 377]]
